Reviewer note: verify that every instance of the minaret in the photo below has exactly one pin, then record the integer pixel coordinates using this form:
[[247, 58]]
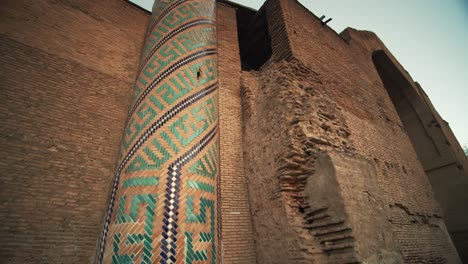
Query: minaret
[[163, 206]]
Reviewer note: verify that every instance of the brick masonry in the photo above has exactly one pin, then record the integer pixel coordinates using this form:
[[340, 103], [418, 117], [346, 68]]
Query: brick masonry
[[67, 72], [237, 233], [164, 205], [67, 68], [339, 70], [92, 50]]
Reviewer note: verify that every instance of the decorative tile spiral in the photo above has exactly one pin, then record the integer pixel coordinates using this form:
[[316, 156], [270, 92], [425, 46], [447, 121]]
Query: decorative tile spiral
[[163, 206]]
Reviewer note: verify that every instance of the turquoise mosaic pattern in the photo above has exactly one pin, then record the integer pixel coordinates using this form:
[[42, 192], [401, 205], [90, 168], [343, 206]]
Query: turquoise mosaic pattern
[[164, 203]]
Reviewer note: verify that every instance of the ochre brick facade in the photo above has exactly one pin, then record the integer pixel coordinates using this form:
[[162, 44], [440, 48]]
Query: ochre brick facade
[[317, 112], [237, 233], [349, 77], [67, 68]]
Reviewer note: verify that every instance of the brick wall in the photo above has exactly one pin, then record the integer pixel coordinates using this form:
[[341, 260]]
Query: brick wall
[[237, 234], [268, 101], [348, 77], [280, 43], [67, 68], [436, 147]]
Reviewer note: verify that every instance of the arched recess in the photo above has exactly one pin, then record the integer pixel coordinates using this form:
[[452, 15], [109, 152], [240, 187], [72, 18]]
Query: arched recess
[[434, 143]]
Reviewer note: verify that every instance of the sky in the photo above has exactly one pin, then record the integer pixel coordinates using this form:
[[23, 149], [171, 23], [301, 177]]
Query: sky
[[428, 37]]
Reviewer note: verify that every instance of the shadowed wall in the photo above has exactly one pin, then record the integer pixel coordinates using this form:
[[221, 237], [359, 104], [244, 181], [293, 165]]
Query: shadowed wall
[[438, 150]]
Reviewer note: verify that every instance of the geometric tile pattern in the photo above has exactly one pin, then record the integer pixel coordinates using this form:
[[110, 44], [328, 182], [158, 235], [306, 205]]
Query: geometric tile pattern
[[163, 207]]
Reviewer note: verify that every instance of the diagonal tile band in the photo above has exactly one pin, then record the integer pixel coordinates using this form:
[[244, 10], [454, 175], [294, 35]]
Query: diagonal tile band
[[164, 206]]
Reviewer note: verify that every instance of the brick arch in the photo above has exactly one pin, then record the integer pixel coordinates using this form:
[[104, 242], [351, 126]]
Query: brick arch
[[436, 147]]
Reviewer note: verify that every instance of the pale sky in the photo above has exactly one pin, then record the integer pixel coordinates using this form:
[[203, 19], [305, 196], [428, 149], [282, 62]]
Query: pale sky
[[428, 37]]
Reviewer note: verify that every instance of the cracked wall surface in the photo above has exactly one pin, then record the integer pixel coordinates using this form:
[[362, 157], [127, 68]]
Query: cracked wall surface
[[347, 211], [356, 116], [288, 124], [316, 162]]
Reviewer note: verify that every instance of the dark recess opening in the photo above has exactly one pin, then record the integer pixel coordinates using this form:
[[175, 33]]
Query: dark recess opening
[[448, 180], [254, 38], [403, 95]]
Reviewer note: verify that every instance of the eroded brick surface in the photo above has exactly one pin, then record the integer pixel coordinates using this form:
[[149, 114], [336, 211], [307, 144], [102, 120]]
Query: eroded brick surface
[[329, 96], [67, 68]]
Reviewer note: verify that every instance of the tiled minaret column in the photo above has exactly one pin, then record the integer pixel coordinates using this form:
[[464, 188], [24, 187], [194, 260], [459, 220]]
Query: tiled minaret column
[[163, 206]]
